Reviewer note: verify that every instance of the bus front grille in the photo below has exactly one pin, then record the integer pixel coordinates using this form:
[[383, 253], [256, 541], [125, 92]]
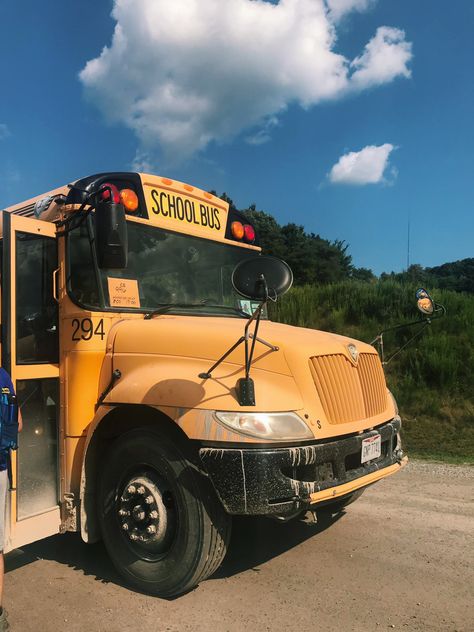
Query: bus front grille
[[347, 392]]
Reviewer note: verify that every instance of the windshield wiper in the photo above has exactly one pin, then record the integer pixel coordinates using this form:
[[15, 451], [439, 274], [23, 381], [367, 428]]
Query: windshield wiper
[[166, 307]]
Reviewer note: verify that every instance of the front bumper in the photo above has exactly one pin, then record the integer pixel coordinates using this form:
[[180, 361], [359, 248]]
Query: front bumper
[[283, 481]]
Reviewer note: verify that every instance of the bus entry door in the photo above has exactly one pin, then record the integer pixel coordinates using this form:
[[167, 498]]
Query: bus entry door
[[30, 353]]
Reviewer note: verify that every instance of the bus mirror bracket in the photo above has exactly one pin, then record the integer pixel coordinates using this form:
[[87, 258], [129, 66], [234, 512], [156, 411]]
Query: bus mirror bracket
[[111, 234], [259, 278], [430, 310]]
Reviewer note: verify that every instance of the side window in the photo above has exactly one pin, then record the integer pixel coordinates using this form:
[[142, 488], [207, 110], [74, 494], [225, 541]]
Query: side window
[[38, 446], [82, 280], [36, 309]]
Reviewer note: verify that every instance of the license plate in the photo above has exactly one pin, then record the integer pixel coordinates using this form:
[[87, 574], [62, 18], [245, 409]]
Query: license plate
[[371, 448]]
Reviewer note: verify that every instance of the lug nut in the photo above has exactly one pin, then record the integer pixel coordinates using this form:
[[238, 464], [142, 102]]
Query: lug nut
[[125, 526], [131, 489], [141, 490], [134, 537], [149, 499], [151, 529], [153, 514], [124, 512]]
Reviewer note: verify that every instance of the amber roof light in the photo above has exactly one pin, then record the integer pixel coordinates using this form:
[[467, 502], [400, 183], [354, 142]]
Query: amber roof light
[[129, 199]]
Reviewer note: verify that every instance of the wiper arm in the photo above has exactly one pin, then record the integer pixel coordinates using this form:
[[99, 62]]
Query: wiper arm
[[167, 306]]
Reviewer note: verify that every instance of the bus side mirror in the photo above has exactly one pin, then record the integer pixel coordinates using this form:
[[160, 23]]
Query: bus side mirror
[[262, 277], [424, 302], [111, 235]]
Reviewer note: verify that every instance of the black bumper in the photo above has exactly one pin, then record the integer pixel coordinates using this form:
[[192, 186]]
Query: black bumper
[[279, 481]]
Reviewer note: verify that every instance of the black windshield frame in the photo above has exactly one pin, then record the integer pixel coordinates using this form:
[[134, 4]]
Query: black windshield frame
[[87, 266]]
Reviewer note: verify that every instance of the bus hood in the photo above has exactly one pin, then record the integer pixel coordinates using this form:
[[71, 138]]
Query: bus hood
[[206, 339], [334, 380]]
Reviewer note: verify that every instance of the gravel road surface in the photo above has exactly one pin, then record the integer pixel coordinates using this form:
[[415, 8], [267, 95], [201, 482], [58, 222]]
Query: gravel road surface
[[401, 557]]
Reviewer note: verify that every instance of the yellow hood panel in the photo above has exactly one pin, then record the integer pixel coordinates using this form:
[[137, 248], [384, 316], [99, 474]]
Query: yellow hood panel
[[160, 361], [209, 338]]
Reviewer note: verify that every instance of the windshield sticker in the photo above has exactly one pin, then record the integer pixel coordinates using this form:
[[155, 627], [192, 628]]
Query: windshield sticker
[[248, 306], [123, 292]]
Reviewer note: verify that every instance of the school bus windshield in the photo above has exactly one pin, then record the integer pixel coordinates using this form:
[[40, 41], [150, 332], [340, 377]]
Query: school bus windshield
[[164, 268]]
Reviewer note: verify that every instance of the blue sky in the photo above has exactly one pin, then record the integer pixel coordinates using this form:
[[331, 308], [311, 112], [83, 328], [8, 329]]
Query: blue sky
[[271, 102]]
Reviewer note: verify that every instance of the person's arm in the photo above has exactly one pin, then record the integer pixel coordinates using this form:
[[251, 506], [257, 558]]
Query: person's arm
[[20, 421]]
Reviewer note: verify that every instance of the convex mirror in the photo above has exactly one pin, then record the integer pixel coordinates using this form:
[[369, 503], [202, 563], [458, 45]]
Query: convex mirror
[[262, 277], [424, 302]]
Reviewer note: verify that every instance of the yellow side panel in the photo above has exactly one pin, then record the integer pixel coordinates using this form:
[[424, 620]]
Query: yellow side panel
[[82, 370]]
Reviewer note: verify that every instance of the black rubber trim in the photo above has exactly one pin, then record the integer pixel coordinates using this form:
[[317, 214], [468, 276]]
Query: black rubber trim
[[92, 183]]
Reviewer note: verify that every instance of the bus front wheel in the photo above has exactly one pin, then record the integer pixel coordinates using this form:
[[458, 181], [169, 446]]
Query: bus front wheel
[[161, 522]]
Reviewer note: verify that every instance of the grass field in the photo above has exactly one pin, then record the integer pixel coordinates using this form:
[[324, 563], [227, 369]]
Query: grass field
[[432, 379]]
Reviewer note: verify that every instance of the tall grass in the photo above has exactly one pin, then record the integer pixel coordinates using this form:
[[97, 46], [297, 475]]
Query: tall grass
[[432, 379]]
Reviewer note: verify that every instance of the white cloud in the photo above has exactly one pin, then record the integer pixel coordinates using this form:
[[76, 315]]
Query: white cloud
[[185, 73], [339, 8], [366, 166], [142, 162], [4, 131], [385, 57], [263, 135]]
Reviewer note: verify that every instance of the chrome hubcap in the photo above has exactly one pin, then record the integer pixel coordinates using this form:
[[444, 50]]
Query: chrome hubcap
[[142, 513]]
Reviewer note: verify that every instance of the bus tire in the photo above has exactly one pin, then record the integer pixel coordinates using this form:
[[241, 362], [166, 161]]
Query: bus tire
[[161, 521]]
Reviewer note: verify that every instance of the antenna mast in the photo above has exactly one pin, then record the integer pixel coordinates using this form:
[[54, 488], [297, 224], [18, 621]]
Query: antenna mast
[[408, 243]]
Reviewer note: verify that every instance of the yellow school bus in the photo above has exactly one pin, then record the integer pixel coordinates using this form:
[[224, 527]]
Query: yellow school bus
[[116, 299]]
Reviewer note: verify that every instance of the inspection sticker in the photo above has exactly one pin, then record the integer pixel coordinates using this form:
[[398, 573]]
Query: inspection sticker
[[123, 292]]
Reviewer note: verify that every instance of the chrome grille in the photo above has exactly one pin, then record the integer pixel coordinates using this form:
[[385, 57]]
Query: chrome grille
[[347, 392]]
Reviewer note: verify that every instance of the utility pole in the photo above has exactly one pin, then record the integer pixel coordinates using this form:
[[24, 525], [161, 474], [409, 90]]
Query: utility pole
[[408, 243]]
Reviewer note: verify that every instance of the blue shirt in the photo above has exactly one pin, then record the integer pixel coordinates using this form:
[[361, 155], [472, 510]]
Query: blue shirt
[[8, 418]]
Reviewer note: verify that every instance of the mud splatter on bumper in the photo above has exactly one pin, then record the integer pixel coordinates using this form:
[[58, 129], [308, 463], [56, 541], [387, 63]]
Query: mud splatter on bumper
[[279, 481]]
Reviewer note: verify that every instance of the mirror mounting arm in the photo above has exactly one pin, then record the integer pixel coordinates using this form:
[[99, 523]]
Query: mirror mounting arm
[[438, 312], [415, 335], [245, 387], [260, 278]]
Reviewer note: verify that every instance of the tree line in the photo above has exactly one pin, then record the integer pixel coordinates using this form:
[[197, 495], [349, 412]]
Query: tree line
[[456, 275], [315, 260]]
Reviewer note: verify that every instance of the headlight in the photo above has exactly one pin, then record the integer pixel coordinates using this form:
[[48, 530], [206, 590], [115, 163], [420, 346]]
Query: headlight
[[273, 426]]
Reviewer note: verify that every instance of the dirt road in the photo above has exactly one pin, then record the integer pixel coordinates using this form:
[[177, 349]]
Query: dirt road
[[401, 557]]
